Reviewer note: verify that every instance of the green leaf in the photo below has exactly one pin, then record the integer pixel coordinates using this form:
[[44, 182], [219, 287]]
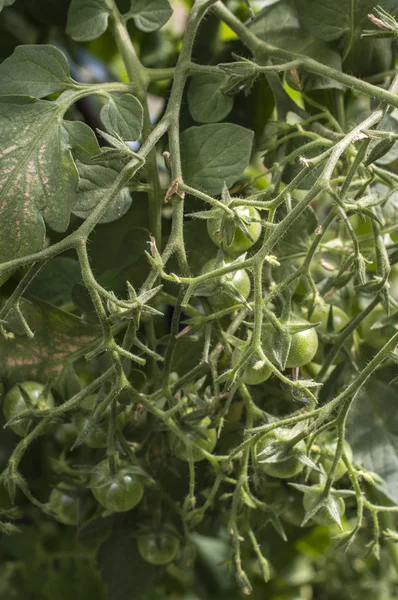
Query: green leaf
[[123, 116], [94, 180], [329, 19], [124, 572], [373, 433], [82, 140], [279, 25], [35, 71], [206, 100], [58, 335], [214, 154], [55, 281], [87, 19], [39, 177], [150, 15]]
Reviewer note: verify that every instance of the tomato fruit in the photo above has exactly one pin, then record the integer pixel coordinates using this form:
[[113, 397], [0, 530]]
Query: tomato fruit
[[159, 548], [201, 435], [376, 338], [98, 437], [14, 403], [250, 375], [239, 280], [282, 469], [117, 492], [340, 319], [327, 444], [293, 511], [322, 517], [240, 242], [64, 503], [303, 347]]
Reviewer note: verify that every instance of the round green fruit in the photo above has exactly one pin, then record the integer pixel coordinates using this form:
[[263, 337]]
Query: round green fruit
[[240, 243], [327, 444], [283, 469], [159, 548], [303, 346], [14, 403], [340, 319], [238, 280], [251, 376], [64, 503], [322, 517], [118, 492], [200, 435], [377, 338]]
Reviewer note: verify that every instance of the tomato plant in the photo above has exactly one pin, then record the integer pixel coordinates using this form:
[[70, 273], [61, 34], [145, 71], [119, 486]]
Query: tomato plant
[[198, 299]]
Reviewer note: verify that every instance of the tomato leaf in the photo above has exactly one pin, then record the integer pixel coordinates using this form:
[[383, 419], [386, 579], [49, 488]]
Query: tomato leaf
[[58, 335], [149, 15], [207, 103], [123, 116], [35, 71], [39, 176], [329, 19], [87, 19], [373, 433], [214, 154], [94, 181], [55, 281]]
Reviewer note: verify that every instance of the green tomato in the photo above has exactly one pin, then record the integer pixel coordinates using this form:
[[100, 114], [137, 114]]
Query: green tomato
[[326, 445], [283, 469], [64, 503], [14, 403], [303, 347], [376, 338], [322, 517], [240, 242], [201, 436], [117, 492], [275, 494], [251, 376], [340, 319], [293, 511], [239, 280], [98, 437], [159, 548]]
